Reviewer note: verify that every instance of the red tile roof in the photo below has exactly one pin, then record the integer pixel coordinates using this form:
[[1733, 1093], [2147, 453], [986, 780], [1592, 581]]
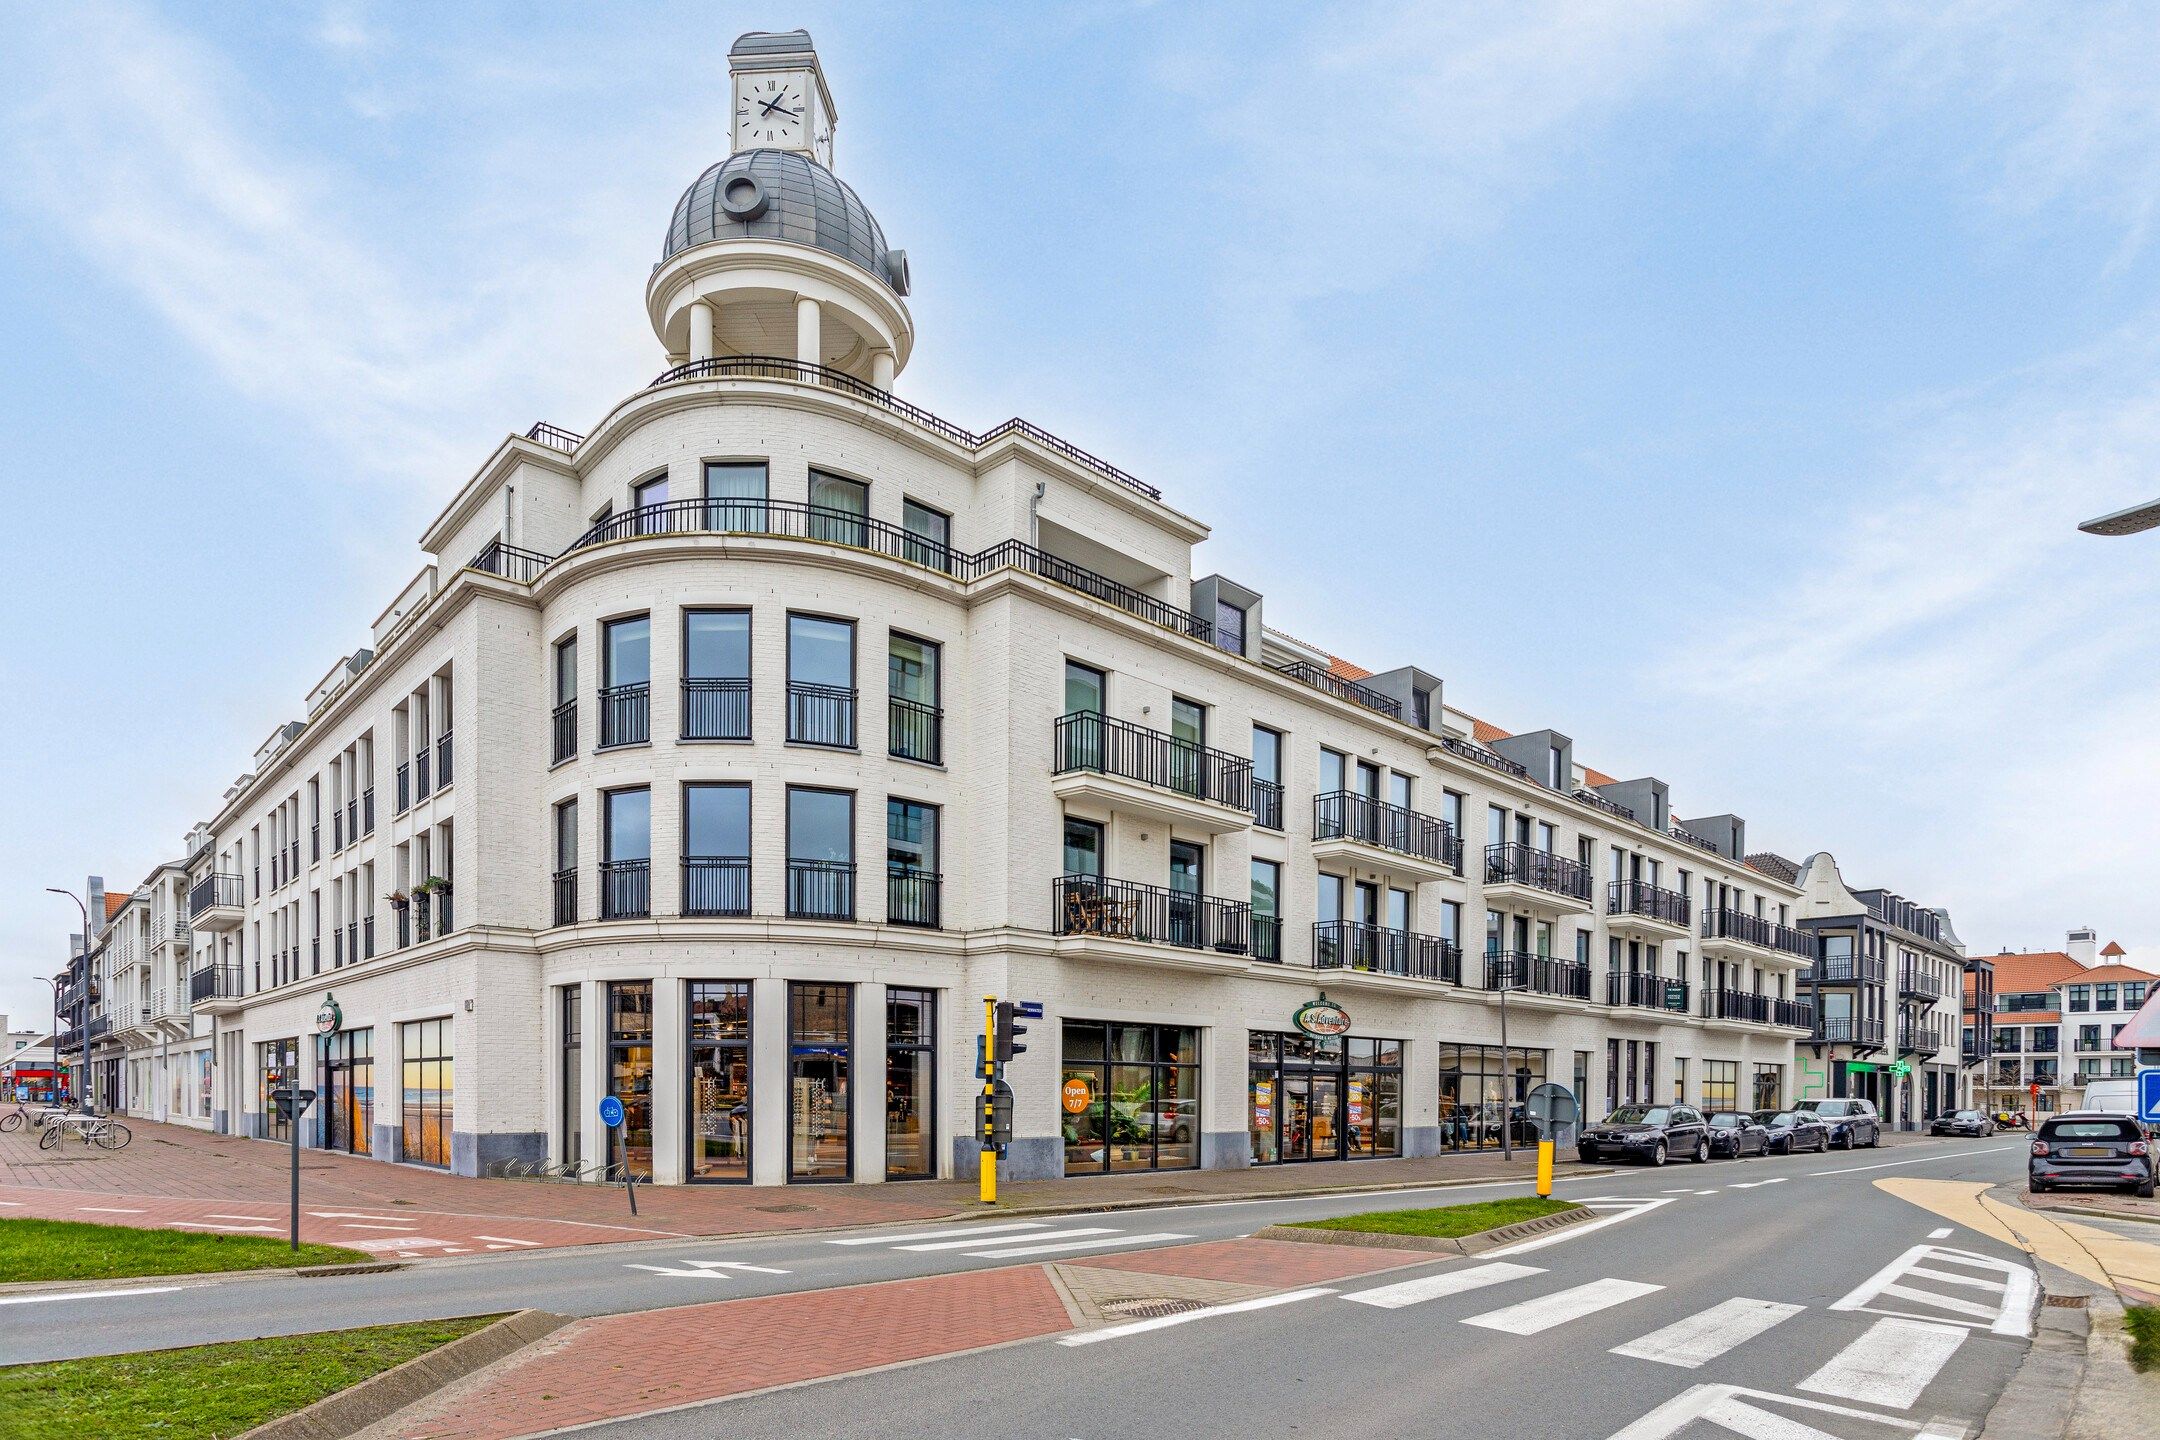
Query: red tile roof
[[1485, 733], [2111, 948], [2105, 973], [2032, 970], [114, 904], [1342, 669]]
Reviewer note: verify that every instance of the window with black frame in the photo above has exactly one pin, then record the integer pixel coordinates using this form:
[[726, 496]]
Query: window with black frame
[[428, 1114], [719, 1080], [914, 723], [820, 1047], [910, 1084], [1482, 1090], [1315, 1097], [626, 681], [626, 869], [1266, 918], [572, 1114], [929, 536], [716, 675], [913, 886], [820, 854], [821, 681], [630, 1073], [838, 508], [279, 1064], [564, 716], [716, 849], [1130, 1097], [735, 494]]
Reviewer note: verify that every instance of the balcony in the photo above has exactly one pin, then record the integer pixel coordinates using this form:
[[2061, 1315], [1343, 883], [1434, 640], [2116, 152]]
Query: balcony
[[442, 761], [625, 714], [712, 709], [565, 896], [216, 988], [1919, 1039], [821, 715], [563, 726], [367, 811], [1266, 804], [1017, 556], [913, 897], [216, 903], [1267, 938], [1860, 1034], [1918, 983], [1478, 755], [421, 788], [404, 788], [1322, 678], [1641, 990], [1149, 915], [1537, 879], [1378, 950], [1538, 974], [1745, 1007], [625, 889], [1735, 935], [821, 889], [1139, 771], [1633, 907], [914, 731], [1847, 970], [780, 519], [712, 885], [1368, 834]]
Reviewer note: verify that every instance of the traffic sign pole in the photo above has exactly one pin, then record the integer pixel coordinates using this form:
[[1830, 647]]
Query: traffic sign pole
[[988, 1168]]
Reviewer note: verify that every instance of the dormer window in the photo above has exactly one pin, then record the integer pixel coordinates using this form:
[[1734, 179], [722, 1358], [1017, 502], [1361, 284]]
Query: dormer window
[[1230, 627]]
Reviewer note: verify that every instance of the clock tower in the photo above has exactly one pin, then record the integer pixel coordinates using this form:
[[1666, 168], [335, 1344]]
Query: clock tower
[[780, 101]]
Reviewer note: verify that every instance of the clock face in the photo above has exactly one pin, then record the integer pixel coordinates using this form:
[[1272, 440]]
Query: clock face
[[771, 110]]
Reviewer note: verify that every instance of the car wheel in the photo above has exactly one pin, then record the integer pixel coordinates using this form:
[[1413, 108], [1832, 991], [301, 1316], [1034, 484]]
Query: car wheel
[[1657, 1156], [1702, 1149], [2145, 1191], [1874, 1138], [2034, 1187]]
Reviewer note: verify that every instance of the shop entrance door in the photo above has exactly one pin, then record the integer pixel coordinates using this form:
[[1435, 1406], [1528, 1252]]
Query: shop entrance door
[[1326, 1117], [1297, 1117]]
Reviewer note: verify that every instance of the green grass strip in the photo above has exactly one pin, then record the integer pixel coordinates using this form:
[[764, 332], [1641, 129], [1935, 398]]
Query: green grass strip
[[1445, 1222], [206, 1392], [2143, 1323], [66, 1250]]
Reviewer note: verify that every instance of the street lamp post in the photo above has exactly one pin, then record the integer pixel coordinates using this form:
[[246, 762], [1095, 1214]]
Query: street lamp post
[[2125, 522], [82, 1098]]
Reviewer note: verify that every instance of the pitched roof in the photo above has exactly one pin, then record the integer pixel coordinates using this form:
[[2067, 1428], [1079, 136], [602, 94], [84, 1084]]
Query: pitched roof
[[114, 904], [2107, 973], [2032, 970], [1343, 669], [1485, 733], [2111, 948], [1769, 862], [1597, 777]]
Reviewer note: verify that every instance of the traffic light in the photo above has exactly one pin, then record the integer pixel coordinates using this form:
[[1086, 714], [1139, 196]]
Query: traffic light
[[1006, 1043]]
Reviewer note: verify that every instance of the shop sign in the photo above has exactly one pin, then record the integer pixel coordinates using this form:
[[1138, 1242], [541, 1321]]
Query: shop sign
[[1321, 1017], [1263, 1104], [329, 1020], [1077, 1095], [1357, 1102]]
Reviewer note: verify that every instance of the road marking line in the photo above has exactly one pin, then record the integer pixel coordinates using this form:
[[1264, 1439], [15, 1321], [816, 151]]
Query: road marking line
[[1943, 1234], [1745, 1412], [1044, 1235], [86, 1295], [1921, 1160], [258, 1219], [1689, 1343], [1946, 1302], [206, 1225], [1520, 1247], [347, 1215], [1757, 1184], [501, 1240], [1532, 1317], [1702, 1192], [1447, 1282], [937, 1234], [2021, 1290], [109, 1210], [1077, 1245], [363, 1225], [1890, 1365], [1971, 1281], [1164, 1322]]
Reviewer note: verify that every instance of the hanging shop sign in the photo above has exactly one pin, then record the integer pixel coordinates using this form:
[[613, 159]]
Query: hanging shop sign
[[330, 1019], [1321, 1017]]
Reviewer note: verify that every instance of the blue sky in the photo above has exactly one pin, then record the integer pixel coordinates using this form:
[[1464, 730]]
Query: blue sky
[[1718, 384]]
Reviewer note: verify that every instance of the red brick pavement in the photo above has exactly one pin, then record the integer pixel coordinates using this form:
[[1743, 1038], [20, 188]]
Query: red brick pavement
[[631, 1364], [1280, 1263]]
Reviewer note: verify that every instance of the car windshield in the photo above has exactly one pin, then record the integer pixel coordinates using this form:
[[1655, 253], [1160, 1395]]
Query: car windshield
[[1967, 1115], [1726, 1120], [2090, 1130], [1639, 1115], [1783, 1117], [1834, 1107]]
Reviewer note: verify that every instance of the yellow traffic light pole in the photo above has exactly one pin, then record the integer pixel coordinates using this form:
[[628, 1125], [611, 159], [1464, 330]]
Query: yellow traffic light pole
[[1544, 1169], [989, 1099]]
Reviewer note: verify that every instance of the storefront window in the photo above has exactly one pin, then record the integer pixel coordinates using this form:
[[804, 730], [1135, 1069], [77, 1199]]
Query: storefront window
[[1480, 1091], [428, 1113], [348, 1106], [910, 1084], [1323, 1098], [280, 1066], [1131, 1097], [819, 1024], [719, 1058], [629, 1077], [1769, 1087], [1721, 1085]]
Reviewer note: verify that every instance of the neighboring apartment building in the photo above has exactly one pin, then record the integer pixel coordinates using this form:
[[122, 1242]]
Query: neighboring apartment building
[[605, 806], [150, 1052], [2055, 1019], [1886, 987], [26, 1064]]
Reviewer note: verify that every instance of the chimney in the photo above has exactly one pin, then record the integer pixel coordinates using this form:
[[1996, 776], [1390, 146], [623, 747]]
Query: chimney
[[2082, 945]]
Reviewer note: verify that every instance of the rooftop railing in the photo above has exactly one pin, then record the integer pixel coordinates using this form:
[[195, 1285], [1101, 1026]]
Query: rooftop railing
[[554, 437], [1598, 802], [1478, 754], [1322, 678]]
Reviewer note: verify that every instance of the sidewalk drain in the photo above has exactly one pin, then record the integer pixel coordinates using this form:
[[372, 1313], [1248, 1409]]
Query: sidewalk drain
[[1148, 1307], [2067, 1302], [783, 1209]]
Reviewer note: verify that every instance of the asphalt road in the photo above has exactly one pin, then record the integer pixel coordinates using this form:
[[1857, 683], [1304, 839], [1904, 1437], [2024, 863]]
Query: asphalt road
[[1808, 1224]]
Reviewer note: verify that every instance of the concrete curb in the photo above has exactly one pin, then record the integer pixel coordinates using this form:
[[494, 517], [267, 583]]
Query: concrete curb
[[197, 1277], [1476, 1244], [335, 1417], [1168, 1202]]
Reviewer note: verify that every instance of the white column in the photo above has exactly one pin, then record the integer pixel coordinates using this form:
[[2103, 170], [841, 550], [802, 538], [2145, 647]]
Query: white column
[[670, 1080], [881, 369], [808, 342], [768, 1080], [866, 1082], [593, 1137], [701, 327]]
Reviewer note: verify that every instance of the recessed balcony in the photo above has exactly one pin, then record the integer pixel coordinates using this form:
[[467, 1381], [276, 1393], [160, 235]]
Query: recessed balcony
[[1635, 908], [1742, 1007], [1367, 834], [1642, 990], [1918, 983], [217, 903], [1536, 879], [1860, 1034], [1380, 950], [1847, 970], [1139, 771], [1517, 970], [1129, 912], [1736, 935]]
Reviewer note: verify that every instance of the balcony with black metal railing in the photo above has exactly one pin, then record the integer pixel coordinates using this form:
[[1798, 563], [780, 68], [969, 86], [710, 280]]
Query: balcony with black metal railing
[[625, 889], [1847, 970], [914, 731], [1402, 844], [1844, 1030], [1148, 772], [1477, 754], [1643, 990], [1266, 804], [822, 715], [1638, 908], [420, 767], [443, 774], [914, 897], [716, 885], [1128, 910], [565, 896], [1519, 970], [1321, 678], [1267, 938], [715, 708], [1919, 1038], [404, 787], [625, 714], [217, 902], [821, 889], [1381, 950], [367, 811], [214, 987], [1747, 1007], [1537, 878], [1917, 982]]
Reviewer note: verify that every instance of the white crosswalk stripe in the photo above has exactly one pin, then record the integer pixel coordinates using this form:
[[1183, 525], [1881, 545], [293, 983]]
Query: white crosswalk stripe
[[1533, 1317], [1447, 1282], [1014, 1240], [1703, 1337], [942, 1233], [1890, 1365], [1905, 1288], [1041, 1235], [1064, 1247]]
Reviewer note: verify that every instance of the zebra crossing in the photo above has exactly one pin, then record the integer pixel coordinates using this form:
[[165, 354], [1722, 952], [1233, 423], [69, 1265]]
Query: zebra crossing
[[1014, 1240]]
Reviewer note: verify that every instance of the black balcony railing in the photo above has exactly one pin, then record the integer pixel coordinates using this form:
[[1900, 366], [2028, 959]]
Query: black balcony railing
[[444, 923], [1267, 938], [1736, 1005], [1015, 555], [1322, 678], [913, 897], [1347, 815], [314, 844], [442, 761], [1129, 910], [554, 437], [783, 519], [1727, 924], [215, 982], [914, 731], [563, 722], [1598, 802], [1541, 974], [1920, 982], [367, 938], [404, 925], [625, 714], [1837, 1030], [715, 708], [625, 889], [821, 889], [1645, 991], [421, 788], [337, 828], [1380, 950], [1686, 837], [1086, 740], [1797, 1014], [1514, 864], [1267, 804], [1848, 970], [352, 942], [215, 892], [367, 811], [1478, 754], [1919, 1039], [1637, 897], [715, 885], [566, 896], [404, 788], [508, 561], [821, 714], [1793, 941]]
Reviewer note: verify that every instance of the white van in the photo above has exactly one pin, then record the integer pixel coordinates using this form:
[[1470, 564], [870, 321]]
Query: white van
[[2116, 1097]]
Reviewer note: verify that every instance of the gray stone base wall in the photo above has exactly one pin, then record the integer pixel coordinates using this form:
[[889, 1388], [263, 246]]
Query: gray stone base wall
[[486, 1154]]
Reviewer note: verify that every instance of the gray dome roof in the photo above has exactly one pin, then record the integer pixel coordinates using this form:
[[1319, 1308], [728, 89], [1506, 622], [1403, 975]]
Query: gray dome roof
[[780, 195]]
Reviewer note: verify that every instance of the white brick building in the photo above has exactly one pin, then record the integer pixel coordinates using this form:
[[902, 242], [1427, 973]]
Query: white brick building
[[598, 809]]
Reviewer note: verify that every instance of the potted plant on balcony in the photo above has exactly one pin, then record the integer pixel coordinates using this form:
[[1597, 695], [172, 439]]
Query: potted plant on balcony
[[397, 898]]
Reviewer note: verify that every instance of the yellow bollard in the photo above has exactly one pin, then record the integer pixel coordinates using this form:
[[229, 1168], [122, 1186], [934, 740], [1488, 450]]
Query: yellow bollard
[[1544, 1169]]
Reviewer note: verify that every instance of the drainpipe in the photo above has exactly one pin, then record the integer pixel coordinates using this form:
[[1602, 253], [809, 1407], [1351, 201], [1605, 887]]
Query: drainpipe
[[1034, 521]]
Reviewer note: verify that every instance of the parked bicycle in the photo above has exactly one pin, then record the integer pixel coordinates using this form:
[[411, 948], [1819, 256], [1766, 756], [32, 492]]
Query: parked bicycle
[[99, 1130], [36, 1119]]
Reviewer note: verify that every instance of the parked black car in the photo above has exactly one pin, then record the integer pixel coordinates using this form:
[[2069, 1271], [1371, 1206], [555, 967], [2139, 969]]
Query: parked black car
[[1649, 1133], [1851, 1122], [1734, 1134], [2091, 1147], [1963, 1122], [1791, 1131]]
